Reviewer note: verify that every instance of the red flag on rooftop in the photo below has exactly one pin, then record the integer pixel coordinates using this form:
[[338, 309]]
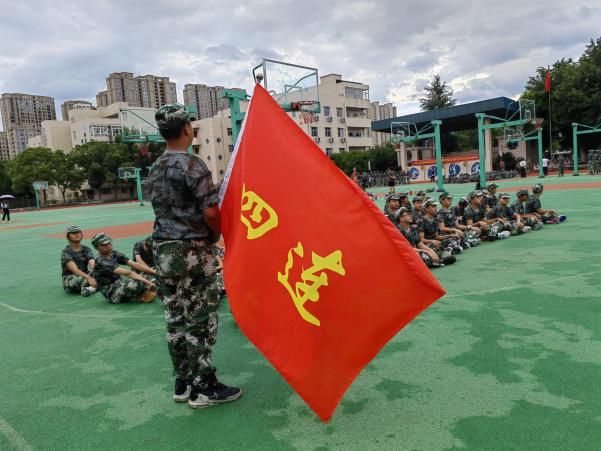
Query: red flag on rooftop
[[317, 277], [548, 81]]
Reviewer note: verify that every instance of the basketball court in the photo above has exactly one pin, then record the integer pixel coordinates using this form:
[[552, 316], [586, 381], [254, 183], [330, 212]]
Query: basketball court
[[509, 358]]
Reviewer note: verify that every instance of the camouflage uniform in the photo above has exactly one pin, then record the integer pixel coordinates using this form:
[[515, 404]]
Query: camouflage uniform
[[532, 204], [180, 187], [430, 229], [73, 283], [479, 215], [219, 252], [412, 235], [520, 208], [448, 218], [146, 255], [115, 289], [499, 211]]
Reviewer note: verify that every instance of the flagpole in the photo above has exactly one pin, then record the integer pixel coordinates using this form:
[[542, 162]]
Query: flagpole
[[550, 121]]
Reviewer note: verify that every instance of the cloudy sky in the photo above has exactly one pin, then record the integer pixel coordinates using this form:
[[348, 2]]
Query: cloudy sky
[[65, 49]]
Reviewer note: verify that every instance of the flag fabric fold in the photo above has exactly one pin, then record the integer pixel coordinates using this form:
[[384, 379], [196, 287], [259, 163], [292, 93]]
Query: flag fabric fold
[[318, 279], [548, 81]]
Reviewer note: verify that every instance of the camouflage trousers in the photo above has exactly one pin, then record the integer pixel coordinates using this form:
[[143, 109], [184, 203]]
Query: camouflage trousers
[[547, 218], [219, 281], [123, 291], [532, 223], [187, 277], [452, 244], [73, 283], [470, 238], [494, 229]]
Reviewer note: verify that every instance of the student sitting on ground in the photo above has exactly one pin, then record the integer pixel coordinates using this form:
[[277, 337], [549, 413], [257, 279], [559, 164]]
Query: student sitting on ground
[[411, 234], [108, 272], [77, 262], [507, 216], [533, 206], [475, 215], [519, 207], [142, 252], [391, 206], [449, 223], [429, 233]]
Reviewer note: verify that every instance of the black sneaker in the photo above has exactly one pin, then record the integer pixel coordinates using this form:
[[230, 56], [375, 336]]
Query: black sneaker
[[214, 394], [182, 391], [449, 260]]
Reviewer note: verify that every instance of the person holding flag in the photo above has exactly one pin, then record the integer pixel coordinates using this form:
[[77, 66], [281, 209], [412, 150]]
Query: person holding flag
[[187, 223]]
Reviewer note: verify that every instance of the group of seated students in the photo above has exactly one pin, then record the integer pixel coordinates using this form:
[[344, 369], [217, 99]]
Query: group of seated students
[[438, 234], [119, 278]]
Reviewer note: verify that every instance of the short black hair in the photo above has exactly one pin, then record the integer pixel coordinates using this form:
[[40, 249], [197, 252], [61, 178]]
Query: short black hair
[[173, 132]]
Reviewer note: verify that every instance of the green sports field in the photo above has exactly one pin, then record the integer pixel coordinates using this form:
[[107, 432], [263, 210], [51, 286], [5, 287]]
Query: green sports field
[[510, 358]]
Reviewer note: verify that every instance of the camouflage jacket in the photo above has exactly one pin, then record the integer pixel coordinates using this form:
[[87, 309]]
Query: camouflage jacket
[[532, 204], [80, 258], [180, 187], [105, 266], [142, 252], [474, 215], [518, 207], [429, 227], [411, 235], [502, 212]]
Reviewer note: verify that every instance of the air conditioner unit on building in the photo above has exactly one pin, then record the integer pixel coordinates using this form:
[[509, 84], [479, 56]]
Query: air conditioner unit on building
[[342, 120], [342, 140], [315, 118], [317, 139], [329, 118], [331, 140]]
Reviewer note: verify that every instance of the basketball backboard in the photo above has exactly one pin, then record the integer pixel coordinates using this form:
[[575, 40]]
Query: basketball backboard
[[138, 125], [527, 109], [402, 130], [294, 87]]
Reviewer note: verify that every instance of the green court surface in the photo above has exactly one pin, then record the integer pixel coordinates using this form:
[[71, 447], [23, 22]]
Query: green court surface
[[509, 358]]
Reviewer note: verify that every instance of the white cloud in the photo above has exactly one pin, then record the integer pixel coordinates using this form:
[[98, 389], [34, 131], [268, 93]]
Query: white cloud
[[66, 49]]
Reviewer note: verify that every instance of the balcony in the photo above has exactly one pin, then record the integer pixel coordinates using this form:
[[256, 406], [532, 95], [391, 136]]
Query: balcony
[[358, 121]]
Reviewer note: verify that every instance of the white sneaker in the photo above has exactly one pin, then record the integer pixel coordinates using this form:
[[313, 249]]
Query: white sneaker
[[526, 229], [87, 291], [503, 235]]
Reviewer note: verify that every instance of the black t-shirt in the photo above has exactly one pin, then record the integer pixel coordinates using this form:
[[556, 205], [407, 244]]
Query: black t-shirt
[[502, 212], [474, 214], [447, 217], [145, 254], [411, 235]]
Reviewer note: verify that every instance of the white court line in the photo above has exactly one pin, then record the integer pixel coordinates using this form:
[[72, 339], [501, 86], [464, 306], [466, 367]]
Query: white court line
[[514, 287], [12, 308], [13, 436]]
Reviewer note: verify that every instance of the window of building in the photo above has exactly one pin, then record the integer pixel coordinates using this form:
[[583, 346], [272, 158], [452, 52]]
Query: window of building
[[196, 150], [341, 149], [341, 133], [314, 131], [355, 93], [329, 151], [326, 110], [195, 133], [231, 148], [207, 140], [218, 140], [220, 157], [328, 131], [229, 132], [339, 112]]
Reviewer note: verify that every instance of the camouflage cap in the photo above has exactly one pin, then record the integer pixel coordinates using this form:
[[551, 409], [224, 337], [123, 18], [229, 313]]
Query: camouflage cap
[[504, 196], [444, 195], [430, 202], [492, 186], [417, 199], [171, 116], [420, 193], [521, 192], [402, 211], [72, 229], [537, 188], [463, 200], [392, 197], [403, 194], [101, 238]]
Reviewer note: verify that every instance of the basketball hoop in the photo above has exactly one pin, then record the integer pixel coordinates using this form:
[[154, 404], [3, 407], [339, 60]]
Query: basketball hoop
[[537, 122], [144, 150], [308, 116]]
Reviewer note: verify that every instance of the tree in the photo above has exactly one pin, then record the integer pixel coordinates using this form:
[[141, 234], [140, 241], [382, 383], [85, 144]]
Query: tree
[[437, 95], [6, 182], [33, 164], [575, 95], [380, 158], [65, 173]]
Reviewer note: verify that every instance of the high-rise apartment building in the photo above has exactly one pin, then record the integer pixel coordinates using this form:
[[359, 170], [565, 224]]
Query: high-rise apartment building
[[377, 112], [4, 153], [206, 99], [147, 91], [74, 105], [22, 116]]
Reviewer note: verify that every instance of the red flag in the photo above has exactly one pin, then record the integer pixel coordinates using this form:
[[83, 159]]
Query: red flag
[[548, 81], [317, 277]]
